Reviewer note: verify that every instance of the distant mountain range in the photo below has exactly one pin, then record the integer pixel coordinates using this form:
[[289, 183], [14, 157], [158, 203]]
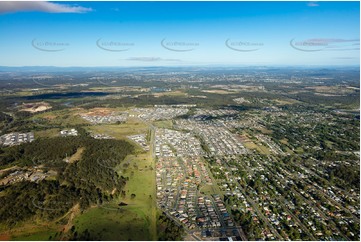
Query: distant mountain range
[[155, 68]]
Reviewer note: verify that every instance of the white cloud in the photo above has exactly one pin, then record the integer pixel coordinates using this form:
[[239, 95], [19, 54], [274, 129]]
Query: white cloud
[[313, 4], [48, 7]]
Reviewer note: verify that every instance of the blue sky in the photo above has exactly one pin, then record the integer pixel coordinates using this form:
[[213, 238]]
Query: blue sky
[[179, 33]]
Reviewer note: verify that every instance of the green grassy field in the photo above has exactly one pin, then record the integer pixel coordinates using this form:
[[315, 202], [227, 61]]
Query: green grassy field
[[41, 235], [62, 117], [210, 189], [107, 224], [137, 220], [259, 147], [47, 133], [166, 124], [119, 131]]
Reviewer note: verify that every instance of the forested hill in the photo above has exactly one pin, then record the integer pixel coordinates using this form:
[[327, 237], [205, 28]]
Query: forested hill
[[90, 180]]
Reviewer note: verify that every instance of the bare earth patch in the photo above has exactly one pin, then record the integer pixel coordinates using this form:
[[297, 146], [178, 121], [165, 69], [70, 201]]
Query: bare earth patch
[[35, 107], [4, 237], [99, 112]]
